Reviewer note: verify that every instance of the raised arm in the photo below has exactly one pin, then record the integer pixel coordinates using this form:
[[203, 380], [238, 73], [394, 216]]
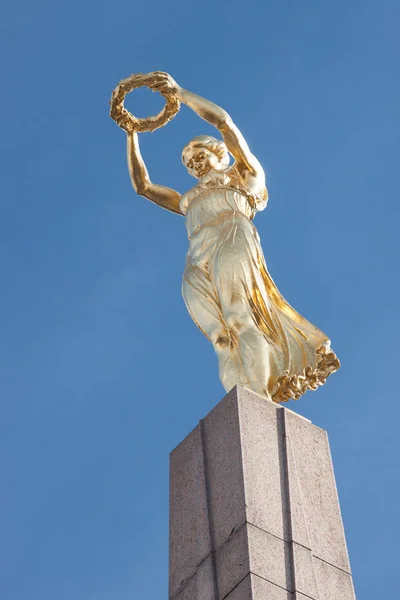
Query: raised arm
[[159, 194], [219, 118]]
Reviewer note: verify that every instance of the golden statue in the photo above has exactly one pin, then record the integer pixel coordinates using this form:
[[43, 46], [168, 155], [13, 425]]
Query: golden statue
[[261, 342]]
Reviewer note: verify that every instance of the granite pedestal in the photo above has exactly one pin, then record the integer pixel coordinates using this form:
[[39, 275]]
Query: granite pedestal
[[254, 512]]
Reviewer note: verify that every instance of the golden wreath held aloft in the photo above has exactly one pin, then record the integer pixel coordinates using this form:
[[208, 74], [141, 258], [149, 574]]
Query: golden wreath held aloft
[[125, 86]]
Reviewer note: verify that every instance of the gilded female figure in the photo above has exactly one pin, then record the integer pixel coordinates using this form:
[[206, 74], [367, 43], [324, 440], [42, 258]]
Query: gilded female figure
[[261, 342]]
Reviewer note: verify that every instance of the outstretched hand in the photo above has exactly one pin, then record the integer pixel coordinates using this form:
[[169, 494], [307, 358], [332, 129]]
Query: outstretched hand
[[163, 82]]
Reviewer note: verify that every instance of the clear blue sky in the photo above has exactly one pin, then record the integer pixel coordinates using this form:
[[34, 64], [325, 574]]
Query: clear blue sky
[[102, 370]]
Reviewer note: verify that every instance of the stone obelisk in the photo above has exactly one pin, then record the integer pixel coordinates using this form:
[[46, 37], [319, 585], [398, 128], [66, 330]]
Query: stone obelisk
[[254, 511]]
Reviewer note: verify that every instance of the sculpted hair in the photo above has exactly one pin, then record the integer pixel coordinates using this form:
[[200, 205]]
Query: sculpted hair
[[211, 143]]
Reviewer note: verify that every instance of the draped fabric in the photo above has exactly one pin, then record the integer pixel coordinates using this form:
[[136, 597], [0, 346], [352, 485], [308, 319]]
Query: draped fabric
[[261, 342]]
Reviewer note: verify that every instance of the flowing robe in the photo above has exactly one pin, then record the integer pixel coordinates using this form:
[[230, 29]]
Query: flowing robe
[[262, 343]]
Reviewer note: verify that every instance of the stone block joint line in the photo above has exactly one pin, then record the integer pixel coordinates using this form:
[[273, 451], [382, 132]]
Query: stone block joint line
[[209, 510], [283, 436], [286, 507]]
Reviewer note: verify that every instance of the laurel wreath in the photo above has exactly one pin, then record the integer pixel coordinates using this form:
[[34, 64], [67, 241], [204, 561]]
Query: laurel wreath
[[140, 125]]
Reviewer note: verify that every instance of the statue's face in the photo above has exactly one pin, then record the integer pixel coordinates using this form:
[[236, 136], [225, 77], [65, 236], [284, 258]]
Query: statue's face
[[200, 161]]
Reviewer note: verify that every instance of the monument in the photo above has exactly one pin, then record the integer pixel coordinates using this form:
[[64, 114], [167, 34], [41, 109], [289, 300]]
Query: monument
[[254, 512]]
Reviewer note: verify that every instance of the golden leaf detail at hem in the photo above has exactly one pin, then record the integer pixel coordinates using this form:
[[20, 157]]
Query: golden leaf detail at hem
[[294, 386]]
